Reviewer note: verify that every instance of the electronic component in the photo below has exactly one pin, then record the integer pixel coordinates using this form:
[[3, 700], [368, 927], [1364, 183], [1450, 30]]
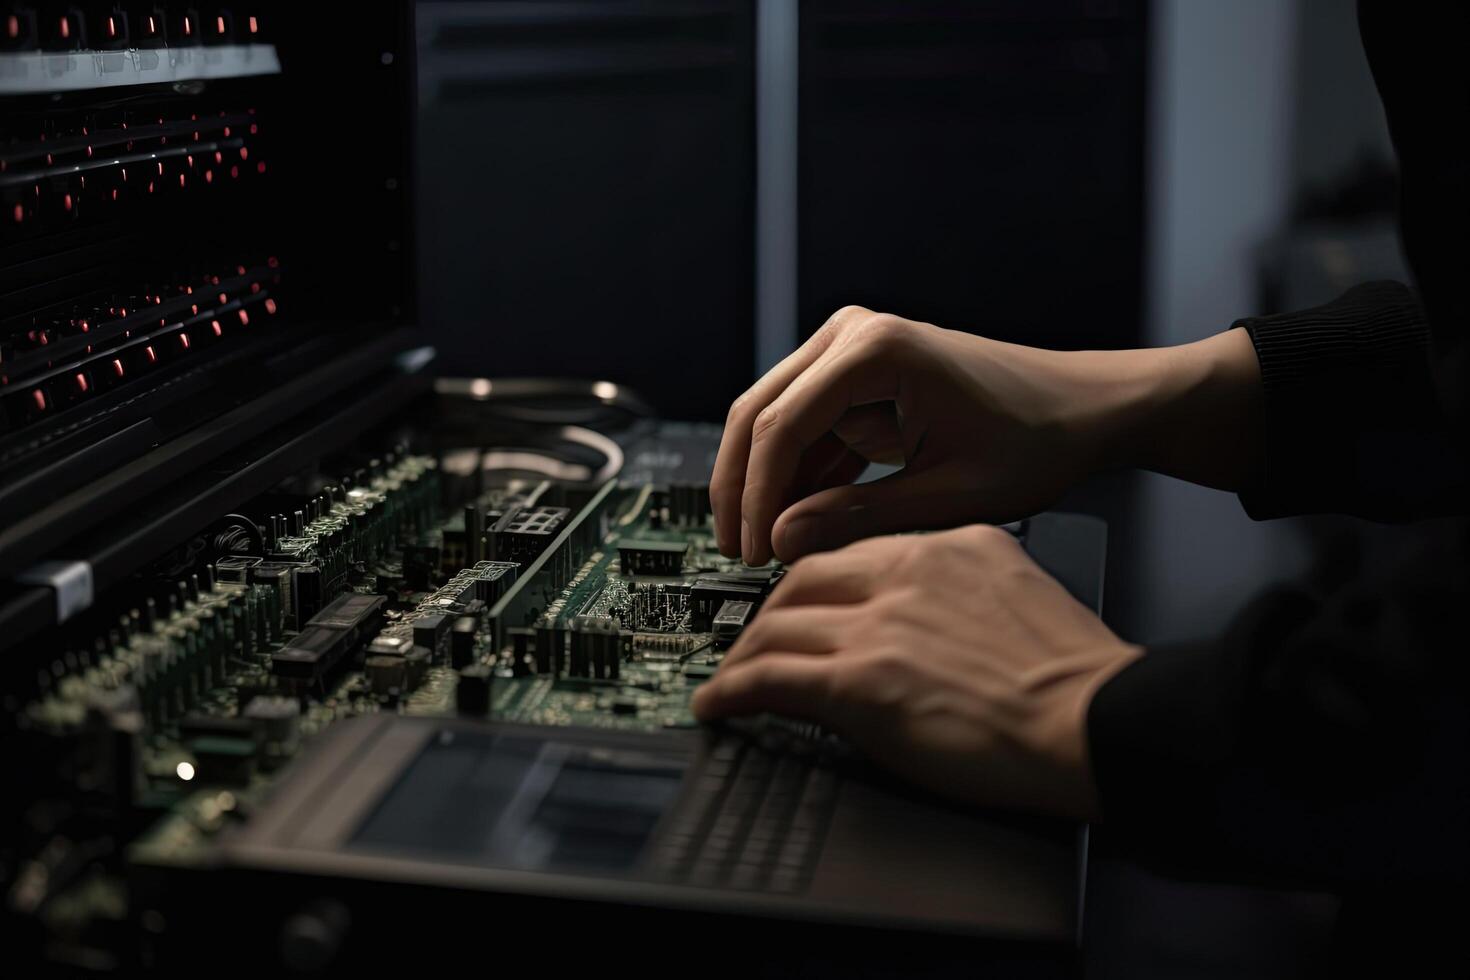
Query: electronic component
[[462, 636], [473, 692], [732, 617], [709, 592], [336, 631], [641, 557], [522, 534]]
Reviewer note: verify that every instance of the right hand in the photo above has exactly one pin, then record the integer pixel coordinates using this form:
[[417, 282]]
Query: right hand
[[985, 431]]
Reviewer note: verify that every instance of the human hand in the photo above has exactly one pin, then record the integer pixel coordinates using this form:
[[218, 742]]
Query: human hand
[[951, 659], [984, 430]]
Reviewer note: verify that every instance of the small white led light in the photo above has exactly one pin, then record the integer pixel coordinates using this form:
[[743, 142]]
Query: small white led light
[[185, 771]]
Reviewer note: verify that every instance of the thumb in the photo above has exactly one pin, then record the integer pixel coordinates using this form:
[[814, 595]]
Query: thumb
[[902, 501]]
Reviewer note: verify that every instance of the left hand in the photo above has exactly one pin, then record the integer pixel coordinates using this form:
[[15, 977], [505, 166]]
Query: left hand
[[951, 659]]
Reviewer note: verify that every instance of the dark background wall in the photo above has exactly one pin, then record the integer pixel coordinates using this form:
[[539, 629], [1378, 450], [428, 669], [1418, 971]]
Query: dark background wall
[[585, 187], [975, 165], [586, 180]]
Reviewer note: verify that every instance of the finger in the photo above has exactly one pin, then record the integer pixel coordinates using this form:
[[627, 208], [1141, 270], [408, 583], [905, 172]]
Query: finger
[[788, 684], [807, 629], [902, 501], [819, 459], [796, 418], [836, 578], [872, 430], [727, 482], [848, 467]]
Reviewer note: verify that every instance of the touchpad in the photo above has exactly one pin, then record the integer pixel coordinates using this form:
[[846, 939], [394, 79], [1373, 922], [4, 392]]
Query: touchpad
[[518, 801]]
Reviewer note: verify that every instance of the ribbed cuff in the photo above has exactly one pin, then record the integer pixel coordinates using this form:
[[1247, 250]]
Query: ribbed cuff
[[1332, 374]]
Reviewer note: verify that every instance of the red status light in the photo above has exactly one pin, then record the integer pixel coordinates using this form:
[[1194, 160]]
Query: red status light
[[39, 397], [117, 367], [82, 383]]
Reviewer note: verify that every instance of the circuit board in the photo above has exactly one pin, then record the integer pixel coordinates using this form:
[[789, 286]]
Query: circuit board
[[601, 607]]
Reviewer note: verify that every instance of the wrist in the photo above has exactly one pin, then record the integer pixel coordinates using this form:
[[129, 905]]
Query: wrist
[[1189, 411]]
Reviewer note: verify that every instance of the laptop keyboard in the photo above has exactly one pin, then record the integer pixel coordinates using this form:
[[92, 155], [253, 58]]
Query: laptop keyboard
[[756, 817]]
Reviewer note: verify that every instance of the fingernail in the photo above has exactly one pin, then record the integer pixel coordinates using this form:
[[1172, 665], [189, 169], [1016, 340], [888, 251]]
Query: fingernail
[[747, 543]]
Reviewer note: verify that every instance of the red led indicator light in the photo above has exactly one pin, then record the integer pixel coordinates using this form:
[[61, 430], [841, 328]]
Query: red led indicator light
[[244, 153], [152, 355], [82, 383], [214, 325], [188, 28], [66, 202], [111, 27], [244, 318], [39, 397], [66, 27], [223, 298], [117, 367], [219, 157], [209, 176], [227, 132], [234, 171], [270, 306], [181, 180], [255, 287], [12, 25], [184, 341], [260, 167], [19, 213], [152, 26], [219, 25], [254, 129], [254, 25]]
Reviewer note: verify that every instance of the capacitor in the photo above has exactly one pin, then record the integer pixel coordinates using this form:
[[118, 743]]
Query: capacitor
[[306, 589], [462, 642], [472, 693], [298, 523], [521, 662], [208, 578], [385, 673]]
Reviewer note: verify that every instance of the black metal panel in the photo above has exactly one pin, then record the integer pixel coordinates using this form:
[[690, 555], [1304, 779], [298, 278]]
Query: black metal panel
[[586, 181], [976, 165]]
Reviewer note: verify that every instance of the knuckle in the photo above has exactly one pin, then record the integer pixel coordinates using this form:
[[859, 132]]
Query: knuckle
[[766, 421], [990, 538], [846, 316], [882, 331], [738, 407]]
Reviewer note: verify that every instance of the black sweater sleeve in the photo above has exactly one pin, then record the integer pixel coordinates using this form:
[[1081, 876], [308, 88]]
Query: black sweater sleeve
[[1352, 421], [1326, 738]]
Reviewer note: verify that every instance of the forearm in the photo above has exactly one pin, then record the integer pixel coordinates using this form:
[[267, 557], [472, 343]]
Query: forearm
[[1193, 411]]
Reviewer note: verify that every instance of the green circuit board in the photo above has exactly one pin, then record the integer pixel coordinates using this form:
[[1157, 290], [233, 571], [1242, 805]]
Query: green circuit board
[[599, 607]]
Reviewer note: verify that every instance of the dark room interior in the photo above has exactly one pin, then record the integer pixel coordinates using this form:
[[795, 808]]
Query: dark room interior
[[763, 487]]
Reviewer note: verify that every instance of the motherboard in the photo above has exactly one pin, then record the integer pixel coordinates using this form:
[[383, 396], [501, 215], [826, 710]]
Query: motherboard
[[533, 602]]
